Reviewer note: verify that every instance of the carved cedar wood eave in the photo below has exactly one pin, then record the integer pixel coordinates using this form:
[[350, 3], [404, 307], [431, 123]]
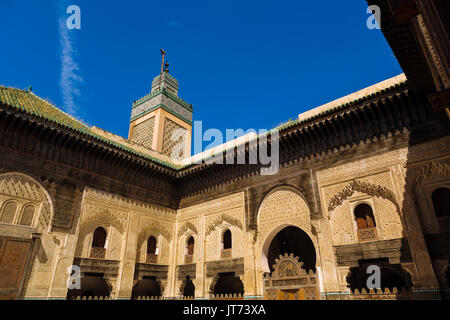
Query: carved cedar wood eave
[[389, 113], [57, 133], [403, 42], [84, 160], [288, 136]]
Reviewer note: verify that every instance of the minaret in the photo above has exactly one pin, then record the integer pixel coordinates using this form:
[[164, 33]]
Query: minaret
[[161, 120]]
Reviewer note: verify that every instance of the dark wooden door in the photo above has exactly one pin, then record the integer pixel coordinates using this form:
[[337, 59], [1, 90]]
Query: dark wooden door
[[14, 255]]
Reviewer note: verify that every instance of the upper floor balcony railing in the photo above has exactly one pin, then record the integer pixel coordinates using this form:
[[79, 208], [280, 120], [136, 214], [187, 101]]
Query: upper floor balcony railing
[[152, 258], [189, 258], [367, 234], [98, 253], [225, 253]]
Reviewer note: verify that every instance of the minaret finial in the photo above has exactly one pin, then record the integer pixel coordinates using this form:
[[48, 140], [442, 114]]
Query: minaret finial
[[166, 68], [163, 53]]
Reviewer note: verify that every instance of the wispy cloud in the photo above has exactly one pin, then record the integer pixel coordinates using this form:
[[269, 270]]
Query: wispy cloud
[[71, 80]]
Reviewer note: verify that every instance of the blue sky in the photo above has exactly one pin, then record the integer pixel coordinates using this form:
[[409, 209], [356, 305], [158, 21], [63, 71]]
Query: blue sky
[[242, 64]]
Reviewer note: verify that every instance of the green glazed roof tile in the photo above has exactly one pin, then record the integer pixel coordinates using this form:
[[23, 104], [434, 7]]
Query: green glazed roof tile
[[30, 103]]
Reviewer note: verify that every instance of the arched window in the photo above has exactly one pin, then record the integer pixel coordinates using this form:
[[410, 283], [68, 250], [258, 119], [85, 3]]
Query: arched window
[[152, 254], [99, 239], [227, 240], [151, 245], [190, 246], [8, 212], [364, 216], [27, 216], [441, 202]]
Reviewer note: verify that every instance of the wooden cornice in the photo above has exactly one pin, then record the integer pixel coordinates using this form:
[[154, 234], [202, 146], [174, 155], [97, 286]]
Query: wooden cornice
[[396, 16], [386, 113]]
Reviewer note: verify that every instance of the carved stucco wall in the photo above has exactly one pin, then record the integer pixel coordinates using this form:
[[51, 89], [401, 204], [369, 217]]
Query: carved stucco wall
[[382, 176], [188, 229], [161, 230], [24, 190], [209, 220], [384, 181], [427, 178], [217, 224], [128, 224], [372, 180], [113, 220], [143, 133], [114, 213], [374, 190], [282, 207], [168, 143]]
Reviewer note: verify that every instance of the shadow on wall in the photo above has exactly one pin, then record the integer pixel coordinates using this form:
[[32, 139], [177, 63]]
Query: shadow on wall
[[92, 285], [228, 283], [293, 240], [189, 288], [429, 248], [392, 276], [148, 287]]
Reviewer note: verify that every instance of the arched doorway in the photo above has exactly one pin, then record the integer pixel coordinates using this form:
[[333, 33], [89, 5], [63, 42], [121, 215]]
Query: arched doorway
[[293, 240], [289, 262], [92, 285], [228, 283], [189, 288], [147, 287], [391, 276]]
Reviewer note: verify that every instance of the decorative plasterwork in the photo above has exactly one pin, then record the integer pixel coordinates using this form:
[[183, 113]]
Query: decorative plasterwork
[[166, 102], [157, 227], [96, 197], [364, 187], [219, 220], [288, 266], [433, 168], [434, 57], [216, 206], [20, 186], [113, 218], [283, 207], [185, 227]]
